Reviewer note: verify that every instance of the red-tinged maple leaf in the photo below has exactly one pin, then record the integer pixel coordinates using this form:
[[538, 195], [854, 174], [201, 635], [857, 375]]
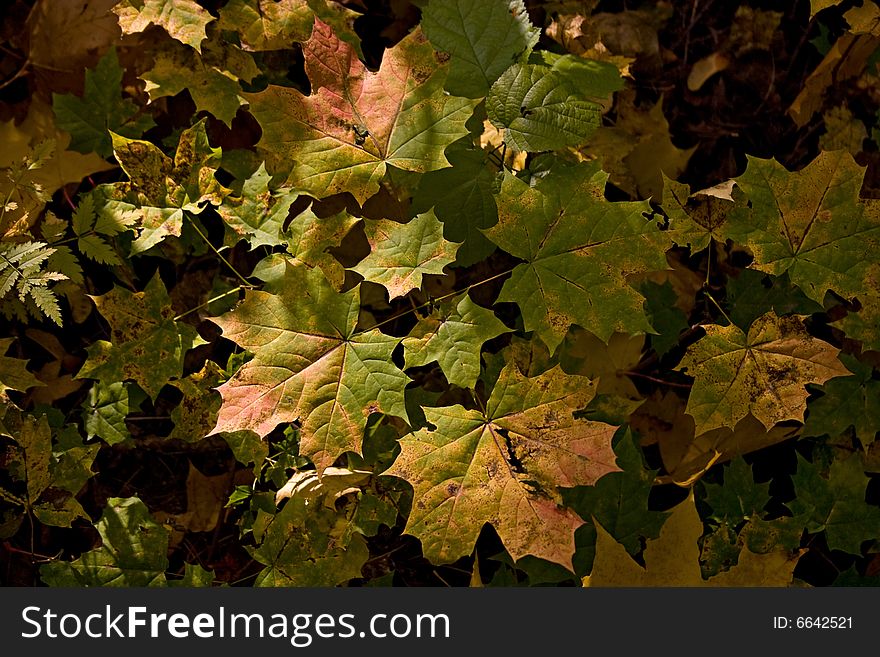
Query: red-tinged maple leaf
[[310, 366], [355, 122], [503, 465]]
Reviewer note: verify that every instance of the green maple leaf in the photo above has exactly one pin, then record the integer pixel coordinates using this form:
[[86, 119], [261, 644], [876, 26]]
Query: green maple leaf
[[484, 37], [146, 344], [275, 24], [463, 198], [503, 466], [540, 109], [160, 190], [309, 546], [183, 20], [578, 250], [836, 504], [864, 325], [133, 551], [400, 254], [696, 219], [763, 372], [196, 414], [453, 335], [310, 240], [101, 110], [310, 365], [105, 410], [258, 215], [342, 137], [619, 500], [751, 293], [739, 497], [212, 77], [853, 401], [809, 223]]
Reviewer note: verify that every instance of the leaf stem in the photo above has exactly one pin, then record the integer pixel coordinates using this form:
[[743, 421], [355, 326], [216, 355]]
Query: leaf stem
[[244, 281], [210, 301]]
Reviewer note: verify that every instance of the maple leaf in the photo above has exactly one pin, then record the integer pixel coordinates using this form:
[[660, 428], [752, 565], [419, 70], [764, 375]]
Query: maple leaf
[[484, 37], [502, 466], [14, 374], [578, 250], [463, 198], [161, 190], [196, 414], [853, 401], [310, 365], [864, 325], [698, 218], [309, 545], [763, 372], [809, 223], [836, 504], [453, 335], [133, 551], [739, 497], [183, 20], [258, 215], [274, 24], [90, 119], [213, 77], [105, 410], [619, 500], [673, 559], [400, 254], [146, 344], [342, 137]]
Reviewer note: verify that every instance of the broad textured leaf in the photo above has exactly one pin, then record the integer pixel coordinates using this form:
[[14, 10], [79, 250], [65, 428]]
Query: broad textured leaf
[[836, 503], [90, 119], [540, 110], [196, 414], [104, 412], [310, 365], [853, 401], [310, 239], [275, 24], [740, 497], [14, 374], [184, 20], [159, 189], [400, 254], [503, 466], [696, 219], [579, 250], [752, 293], [809, 223], [146, 344], [484, 38], [34, 439], [355, 122], [463, 198], [133, 551], [258, 215], [673, 559], [212, 77], [309, 545], [453, 335], [762, 373], [864, 325], [619, 500]]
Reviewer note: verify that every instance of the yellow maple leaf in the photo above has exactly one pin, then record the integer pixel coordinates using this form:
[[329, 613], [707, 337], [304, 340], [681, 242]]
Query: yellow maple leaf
[[673, 559]]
